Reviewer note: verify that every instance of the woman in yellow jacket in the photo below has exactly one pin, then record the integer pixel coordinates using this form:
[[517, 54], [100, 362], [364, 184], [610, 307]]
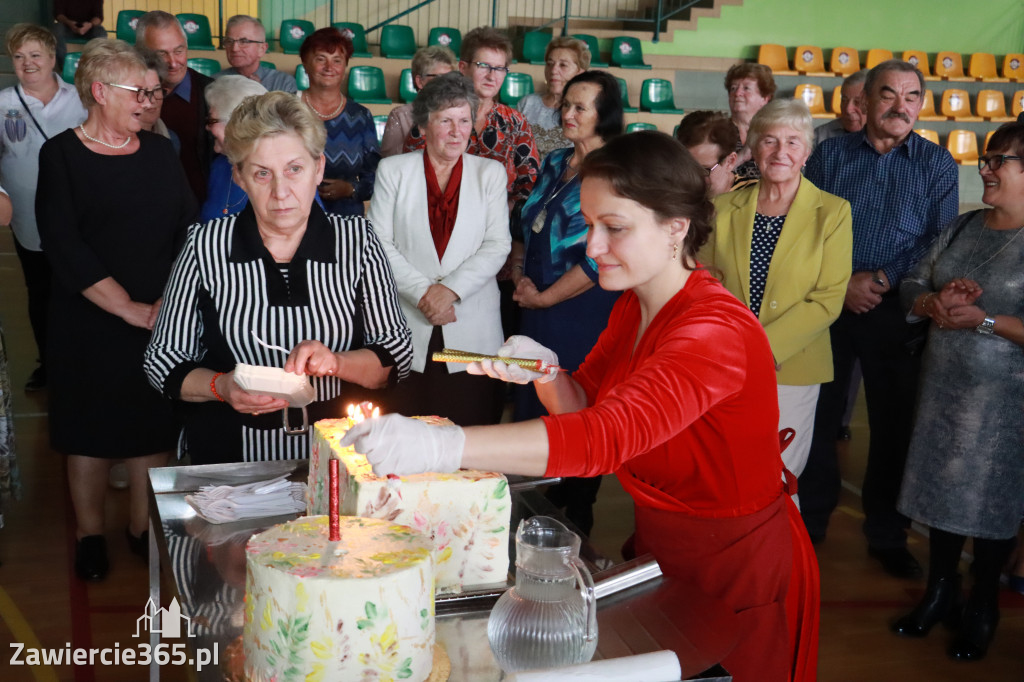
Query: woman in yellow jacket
[[784, 248]]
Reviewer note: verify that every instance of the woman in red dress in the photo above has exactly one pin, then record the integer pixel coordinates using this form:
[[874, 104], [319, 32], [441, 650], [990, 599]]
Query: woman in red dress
[[677, 398]]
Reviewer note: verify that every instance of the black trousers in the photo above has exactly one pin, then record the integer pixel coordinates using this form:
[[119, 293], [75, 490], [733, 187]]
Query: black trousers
[[878, 339], [36, 269]]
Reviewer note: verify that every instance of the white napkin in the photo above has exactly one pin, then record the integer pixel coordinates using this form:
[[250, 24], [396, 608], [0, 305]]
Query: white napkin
[[660, 666], [224, 503]]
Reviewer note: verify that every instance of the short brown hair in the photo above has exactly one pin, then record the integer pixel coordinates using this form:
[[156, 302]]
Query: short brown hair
[[275, 113], [579, 49], [713, 127], [19, 34], [759, 72], [485, 37], [655, 171], [329, 40], [426, 57], [1008, 137]]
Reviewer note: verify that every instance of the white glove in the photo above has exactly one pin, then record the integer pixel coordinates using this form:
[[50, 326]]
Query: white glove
[[394, 444], [518, 347]]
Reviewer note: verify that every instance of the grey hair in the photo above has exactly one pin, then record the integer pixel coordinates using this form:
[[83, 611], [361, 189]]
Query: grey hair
[[891, 65], [157, 19], [450, 90], [856, 78], [275, 113], [227, 92], [239, 19], [153, 62], [426, 57], [105, 61], [789, 113]]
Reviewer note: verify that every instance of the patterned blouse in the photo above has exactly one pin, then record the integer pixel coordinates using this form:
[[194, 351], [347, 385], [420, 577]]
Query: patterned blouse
[[767, 229], [508, 139], [352, 153]]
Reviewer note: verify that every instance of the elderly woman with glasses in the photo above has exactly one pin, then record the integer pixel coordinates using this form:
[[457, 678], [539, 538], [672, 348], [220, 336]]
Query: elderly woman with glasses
[[428, 62], [784, 248], [223, 196], [711, 138], [281, 274], [498, 131], [441, 216], [112, 205], [965, 467]]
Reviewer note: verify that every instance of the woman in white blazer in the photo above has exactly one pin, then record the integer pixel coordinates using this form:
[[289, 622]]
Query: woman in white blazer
[[442, 217]]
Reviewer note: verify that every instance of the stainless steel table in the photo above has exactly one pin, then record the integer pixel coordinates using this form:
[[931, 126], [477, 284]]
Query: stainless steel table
[[205, 568]]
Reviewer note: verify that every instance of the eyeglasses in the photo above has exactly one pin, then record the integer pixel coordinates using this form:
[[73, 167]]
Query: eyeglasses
[[428, 76], [212, 121], [141, 94], [709, 171], [241, 42], [500, 70], [995, 162]]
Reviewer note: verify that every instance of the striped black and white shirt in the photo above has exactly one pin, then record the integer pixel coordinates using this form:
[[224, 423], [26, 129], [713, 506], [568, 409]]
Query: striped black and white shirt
[[225, 289]]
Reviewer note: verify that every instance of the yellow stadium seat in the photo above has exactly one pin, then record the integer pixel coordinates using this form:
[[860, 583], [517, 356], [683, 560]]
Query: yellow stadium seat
[[837, 99], [956, 105], [930, 135], [845, 60], [774, 57], [876, 56], [949, 66], [1013, 67], [991, 106], [963, 145], [1017, 103], [988, 136], [809, 61], [814, 98], [919, 59], [983, 68], [928, 112]]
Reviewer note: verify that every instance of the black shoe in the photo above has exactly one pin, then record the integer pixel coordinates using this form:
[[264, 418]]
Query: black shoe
[[897, 561], [941, 602], [138, 545], [844, 433], [36, 380], [91, 558], [976, 632]]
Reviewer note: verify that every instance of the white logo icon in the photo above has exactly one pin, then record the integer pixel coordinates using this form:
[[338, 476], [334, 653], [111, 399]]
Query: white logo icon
[[166, 622]]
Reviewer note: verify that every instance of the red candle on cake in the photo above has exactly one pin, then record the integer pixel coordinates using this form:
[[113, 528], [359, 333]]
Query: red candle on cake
[[335, 528]]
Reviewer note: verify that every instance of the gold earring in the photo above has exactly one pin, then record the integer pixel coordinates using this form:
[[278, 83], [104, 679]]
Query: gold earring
[[675, 250]]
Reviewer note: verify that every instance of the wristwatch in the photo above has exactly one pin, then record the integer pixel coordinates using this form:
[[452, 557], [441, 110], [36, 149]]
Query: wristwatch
[[988, 326]]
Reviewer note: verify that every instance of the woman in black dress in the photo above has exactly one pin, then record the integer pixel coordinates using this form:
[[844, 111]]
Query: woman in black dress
[[112, 207]]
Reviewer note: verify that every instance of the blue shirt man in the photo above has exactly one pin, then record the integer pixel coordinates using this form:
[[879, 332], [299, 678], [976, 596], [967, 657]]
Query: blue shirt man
[[903, 190]]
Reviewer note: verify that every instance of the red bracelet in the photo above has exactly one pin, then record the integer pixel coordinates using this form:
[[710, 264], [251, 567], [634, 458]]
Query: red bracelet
[[213, 386]]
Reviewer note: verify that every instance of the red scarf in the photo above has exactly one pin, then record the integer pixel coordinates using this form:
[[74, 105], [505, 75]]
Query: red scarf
[[442, 206]]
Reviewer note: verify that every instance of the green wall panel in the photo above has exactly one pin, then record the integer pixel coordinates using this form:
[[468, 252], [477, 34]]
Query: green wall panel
[[931, 25]]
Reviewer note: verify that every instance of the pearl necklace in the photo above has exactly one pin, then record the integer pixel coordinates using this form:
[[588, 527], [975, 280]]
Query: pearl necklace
[[105, 144], [325, 117]]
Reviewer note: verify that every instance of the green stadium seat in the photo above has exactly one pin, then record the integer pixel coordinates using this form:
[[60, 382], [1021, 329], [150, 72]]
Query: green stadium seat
[[515, 87], [269, 65], [627, 53], [126, 21], [70, 66], [595, 51], [197, 31], [301, 77], [357, 34], [656, 95], [534, 45], [366, 85], [293, 33], [624, 92], [446, 36], [379, 122], [640, 125], [397, 42], [406, 86], [205, 66]]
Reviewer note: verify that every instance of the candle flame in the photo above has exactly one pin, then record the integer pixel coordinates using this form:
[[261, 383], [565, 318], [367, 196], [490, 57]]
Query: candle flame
[[361, 412]]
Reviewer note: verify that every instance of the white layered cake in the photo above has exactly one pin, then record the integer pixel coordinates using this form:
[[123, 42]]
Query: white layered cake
[[466, 514], [358, 609]]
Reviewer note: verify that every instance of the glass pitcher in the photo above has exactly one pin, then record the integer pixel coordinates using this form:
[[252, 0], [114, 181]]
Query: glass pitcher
[[549, 618]]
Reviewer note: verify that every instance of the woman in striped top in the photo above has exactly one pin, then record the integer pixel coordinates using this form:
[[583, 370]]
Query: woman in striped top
[[282, 272]]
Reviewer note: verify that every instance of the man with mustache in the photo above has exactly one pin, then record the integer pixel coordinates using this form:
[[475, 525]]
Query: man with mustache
[[903, 190]]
